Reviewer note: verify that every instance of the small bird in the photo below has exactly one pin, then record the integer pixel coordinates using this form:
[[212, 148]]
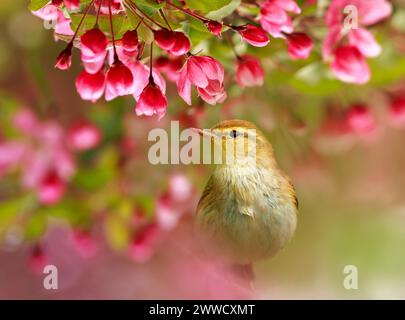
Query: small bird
[[248, 210]]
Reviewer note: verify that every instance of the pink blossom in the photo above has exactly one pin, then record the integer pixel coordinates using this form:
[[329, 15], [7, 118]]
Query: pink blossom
[[167, 215], [180, 188], [26, 121], [205, 73], [360, 119], [63, 25], [331, 41], [349, 65], [83, 135], [119, 81], [170, 67], [143, 245], [177, 202], [151, 101], [90, 86], [300, 45], [141, 74], [116, 6], [253, 35], [249, 72], [45, 160], [369, 12], [93, 46], [129, 43], [274, 16], [11, 154], [397, 112], [51, 188], [364, 40], [64, 60], [174, 42], [72, 4], [47, 13]]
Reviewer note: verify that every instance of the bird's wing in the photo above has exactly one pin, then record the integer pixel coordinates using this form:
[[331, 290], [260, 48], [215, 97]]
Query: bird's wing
[[291, 191], [206, 194]]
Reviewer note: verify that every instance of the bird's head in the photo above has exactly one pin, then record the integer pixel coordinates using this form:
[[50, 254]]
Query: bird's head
[[238, 142]]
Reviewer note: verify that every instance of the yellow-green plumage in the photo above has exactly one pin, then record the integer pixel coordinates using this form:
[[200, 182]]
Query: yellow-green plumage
[[248, 209]]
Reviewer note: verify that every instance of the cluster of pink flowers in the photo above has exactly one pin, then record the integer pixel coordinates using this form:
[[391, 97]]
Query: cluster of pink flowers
[[348, 45], [179, 201], [113, 67], [45, 153], [116, 67], [341, 128]]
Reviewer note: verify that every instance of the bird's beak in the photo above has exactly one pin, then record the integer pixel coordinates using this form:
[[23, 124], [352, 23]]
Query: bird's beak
[[205, 133]]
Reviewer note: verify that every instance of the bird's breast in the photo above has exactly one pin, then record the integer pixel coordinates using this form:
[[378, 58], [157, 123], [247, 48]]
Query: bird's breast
[[247, 214]]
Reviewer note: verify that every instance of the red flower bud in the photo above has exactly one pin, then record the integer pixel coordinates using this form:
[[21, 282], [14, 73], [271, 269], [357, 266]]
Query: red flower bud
[[119, 81], [93, 46], [130, 41], [90, 86], [51, 188], [93, 42], [300, 45], [214, 27], [71, 4], [249, 72], [349, 65], [83, 135], [151, 101], [360, 119], [57, 3], [397, 112], [253, 35], [174, 42], [64, 60]]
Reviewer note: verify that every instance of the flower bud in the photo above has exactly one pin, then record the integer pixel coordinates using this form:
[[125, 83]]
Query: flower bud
[[51, 188], [300, 45], [83, 135], [64, 60], [249, 72], [253, 35], [152, 101], [90, 86], [349, 65], [214, 27], [174, 42], [119, 81], [130, 41]]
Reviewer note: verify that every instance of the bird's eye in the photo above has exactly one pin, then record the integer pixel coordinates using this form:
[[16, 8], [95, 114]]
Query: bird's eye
[[234, 134]]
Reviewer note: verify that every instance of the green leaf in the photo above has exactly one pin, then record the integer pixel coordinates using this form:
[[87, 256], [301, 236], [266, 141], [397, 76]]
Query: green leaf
[[224, 11], [35, 5], [120, 24], [93, 178], [150, 4], [207, 6], [117, 232], [36, 226]]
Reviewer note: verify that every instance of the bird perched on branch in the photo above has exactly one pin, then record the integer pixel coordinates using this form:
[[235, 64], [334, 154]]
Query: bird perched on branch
[[248, 210]]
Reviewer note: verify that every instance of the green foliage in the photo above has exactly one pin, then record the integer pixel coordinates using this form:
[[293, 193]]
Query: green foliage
[[35, 5], [120, 24], [207, 6]]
